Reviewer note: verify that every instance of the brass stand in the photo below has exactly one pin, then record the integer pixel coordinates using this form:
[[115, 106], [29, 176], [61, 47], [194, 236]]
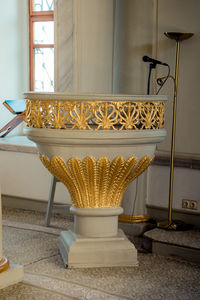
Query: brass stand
[[169, 224]]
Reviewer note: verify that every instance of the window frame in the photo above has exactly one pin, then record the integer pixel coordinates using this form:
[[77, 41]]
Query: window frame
[[36, 16]]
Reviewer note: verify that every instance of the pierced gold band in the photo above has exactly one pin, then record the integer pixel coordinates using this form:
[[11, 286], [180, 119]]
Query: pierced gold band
[[4, 264], [95, 115], [133, 218]]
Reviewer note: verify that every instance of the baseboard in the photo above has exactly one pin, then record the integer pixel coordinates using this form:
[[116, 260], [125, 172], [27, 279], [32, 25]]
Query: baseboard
[[157, 213], [41, 206], [161, 213], [34, 205], [181, 160]]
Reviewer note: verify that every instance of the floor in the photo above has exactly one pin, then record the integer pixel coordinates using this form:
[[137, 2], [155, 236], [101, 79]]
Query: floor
[[26, 241]]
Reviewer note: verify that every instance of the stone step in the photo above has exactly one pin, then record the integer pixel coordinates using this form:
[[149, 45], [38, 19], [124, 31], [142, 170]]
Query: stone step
[[182, 244]]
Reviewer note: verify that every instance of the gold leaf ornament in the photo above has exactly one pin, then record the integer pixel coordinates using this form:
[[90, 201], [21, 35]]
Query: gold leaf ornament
[[96, 183]]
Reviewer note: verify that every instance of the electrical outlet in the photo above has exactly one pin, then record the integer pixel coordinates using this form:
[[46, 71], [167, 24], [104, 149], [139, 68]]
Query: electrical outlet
[[190, 204]]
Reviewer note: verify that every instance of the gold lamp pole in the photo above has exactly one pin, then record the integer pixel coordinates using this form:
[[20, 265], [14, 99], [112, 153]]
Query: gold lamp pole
[[169, 224]]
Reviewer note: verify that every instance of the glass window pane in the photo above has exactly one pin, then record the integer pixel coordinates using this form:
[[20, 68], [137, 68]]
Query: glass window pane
[[43, 5], [44, 69], [43, 32]]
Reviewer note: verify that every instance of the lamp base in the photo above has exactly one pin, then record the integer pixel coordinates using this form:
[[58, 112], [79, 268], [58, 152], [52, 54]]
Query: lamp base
[[173, 225]]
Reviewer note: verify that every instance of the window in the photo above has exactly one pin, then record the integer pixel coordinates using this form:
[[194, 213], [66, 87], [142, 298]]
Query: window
[[41, 30]]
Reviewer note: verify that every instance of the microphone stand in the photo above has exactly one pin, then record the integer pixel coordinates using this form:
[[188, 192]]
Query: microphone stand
[[151, 66]]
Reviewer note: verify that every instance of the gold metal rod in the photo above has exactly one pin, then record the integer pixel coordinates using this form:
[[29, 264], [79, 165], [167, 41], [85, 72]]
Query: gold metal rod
[[173, 134]]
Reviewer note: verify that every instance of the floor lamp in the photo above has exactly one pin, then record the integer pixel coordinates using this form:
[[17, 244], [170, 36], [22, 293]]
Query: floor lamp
[[169, 224]]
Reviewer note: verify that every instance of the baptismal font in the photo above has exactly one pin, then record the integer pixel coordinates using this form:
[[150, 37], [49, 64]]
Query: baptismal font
[[95, 144]]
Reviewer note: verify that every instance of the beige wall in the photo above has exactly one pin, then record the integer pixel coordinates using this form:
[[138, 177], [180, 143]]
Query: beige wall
[[133, 40], [23, 175], [64, 56], [84, 45], [140, 27], [93, 45], [181, 16], [139, 31], [186, 186], [13, 54]]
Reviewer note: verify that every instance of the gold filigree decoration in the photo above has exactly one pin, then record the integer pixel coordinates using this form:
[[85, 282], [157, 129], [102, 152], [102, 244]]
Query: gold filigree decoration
[[94, 183], [95, 115]]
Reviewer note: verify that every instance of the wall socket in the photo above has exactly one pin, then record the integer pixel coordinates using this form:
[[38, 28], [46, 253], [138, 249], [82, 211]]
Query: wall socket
[[190, 204]]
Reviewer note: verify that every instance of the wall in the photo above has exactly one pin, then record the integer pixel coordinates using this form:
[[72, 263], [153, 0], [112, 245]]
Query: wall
[[22, 175], [13, 54], [181, 16], [87, 68], [139, 31], [93, 45], [185, 187], [84, 49], [133, 40], [64, 43]]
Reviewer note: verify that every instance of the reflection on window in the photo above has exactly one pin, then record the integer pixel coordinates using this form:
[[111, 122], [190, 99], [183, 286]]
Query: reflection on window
[[44, 69], [43, 32], [43, 5]]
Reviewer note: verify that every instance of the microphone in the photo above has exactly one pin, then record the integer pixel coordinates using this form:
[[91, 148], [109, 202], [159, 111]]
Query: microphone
[[153, 61]]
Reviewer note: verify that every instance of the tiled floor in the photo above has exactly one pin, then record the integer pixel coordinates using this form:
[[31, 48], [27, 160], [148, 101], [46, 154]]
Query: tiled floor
[[28, 242]]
